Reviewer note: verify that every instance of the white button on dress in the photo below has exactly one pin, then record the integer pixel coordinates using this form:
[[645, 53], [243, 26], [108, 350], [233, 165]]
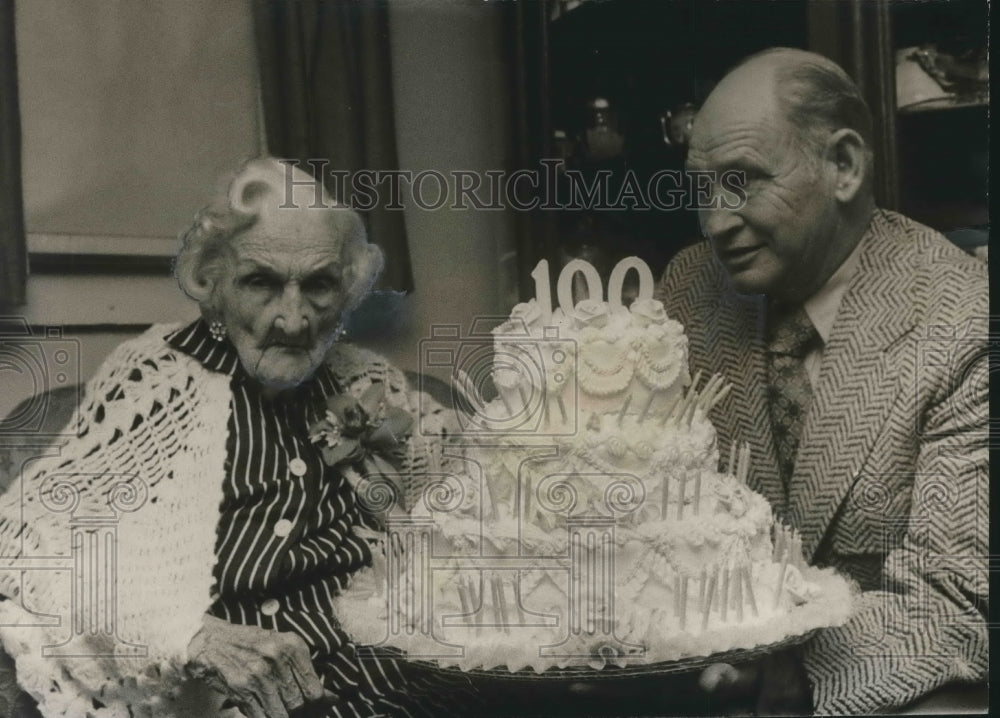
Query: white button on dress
[[269, 607], [282, 528], [297, 466]]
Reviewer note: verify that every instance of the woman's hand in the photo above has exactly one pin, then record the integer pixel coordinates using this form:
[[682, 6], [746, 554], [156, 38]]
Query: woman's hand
[[266, 673]]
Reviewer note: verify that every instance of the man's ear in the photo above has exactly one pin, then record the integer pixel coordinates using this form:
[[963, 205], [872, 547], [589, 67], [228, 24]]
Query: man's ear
[[848, 152]]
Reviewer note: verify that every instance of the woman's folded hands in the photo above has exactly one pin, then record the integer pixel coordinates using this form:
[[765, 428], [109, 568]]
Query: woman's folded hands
[[267, 674]]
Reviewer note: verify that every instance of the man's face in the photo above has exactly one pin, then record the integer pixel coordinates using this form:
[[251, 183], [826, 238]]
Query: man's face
[[778, 241], [282, 297]]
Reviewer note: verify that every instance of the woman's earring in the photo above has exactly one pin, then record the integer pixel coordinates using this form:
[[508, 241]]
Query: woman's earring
[[218, 330]]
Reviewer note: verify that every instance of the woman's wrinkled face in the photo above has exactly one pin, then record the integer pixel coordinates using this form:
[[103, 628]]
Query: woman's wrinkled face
[[282, 297]]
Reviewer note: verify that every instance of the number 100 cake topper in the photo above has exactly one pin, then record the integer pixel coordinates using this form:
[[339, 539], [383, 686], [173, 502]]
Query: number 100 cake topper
[[595, 288]]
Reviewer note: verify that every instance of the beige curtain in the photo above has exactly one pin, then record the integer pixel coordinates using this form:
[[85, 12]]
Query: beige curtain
[[326, 87], [13, 252]]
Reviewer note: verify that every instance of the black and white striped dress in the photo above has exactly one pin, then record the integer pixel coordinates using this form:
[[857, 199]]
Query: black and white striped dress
[[286, 545]]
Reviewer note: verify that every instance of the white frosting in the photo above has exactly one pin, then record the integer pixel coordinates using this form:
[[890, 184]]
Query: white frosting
[[606, 356], [591, 313], [648, 311], [586, 434], [529, 313]]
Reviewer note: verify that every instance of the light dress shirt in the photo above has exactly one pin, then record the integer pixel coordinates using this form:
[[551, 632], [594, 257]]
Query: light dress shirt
[[822, 308]]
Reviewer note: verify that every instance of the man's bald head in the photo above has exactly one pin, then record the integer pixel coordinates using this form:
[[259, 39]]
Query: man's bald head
[[815, 93], [792, 133]]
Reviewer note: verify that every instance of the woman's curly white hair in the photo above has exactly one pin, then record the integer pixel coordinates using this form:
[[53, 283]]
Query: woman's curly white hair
[[260, 185]]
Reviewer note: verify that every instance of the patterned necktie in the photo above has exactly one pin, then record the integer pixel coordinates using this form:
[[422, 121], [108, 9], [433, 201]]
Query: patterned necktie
[[790, 336]]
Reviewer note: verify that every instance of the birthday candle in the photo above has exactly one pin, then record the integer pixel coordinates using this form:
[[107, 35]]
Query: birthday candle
[[665, 487], [721, 395], [499, 602], [517, 601], [645, 409], [724, 597], [694, 384], [781, 578], [408, 597], [527, 499], [491, 497], [703, 580], [621, 412], [524, 397], [682, 410], [738, 594], [689, 414], [504, 613], [750, 596], [697, 492], [684, 600], [671, 409], [495, 602], [464, 599], [474, 602], [506, 404], [710, 598], [718, 392], [706, 393], [680, 499], [732, 458], [474, 594]]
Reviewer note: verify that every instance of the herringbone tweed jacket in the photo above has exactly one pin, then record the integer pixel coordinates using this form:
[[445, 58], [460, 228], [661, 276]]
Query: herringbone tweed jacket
[[891, 477]]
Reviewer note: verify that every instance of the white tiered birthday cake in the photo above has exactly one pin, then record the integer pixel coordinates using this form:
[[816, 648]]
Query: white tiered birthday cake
[[606, 534]]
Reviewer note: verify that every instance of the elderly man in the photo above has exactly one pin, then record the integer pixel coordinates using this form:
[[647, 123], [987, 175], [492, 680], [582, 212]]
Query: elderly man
[[856, 341]]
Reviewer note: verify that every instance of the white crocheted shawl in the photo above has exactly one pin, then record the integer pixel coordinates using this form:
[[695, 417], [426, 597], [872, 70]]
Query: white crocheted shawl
[[152, 417]]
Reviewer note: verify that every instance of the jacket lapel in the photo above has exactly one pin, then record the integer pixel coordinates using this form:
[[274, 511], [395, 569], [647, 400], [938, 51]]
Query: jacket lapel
[[857, 384], [737, 352]]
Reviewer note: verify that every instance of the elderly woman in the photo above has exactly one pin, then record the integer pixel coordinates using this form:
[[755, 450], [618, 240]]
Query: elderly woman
[[233, 534]]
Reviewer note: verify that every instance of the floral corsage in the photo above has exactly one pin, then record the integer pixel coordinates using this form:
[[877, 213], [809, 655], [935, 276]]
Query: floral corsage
[[367, 439]]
